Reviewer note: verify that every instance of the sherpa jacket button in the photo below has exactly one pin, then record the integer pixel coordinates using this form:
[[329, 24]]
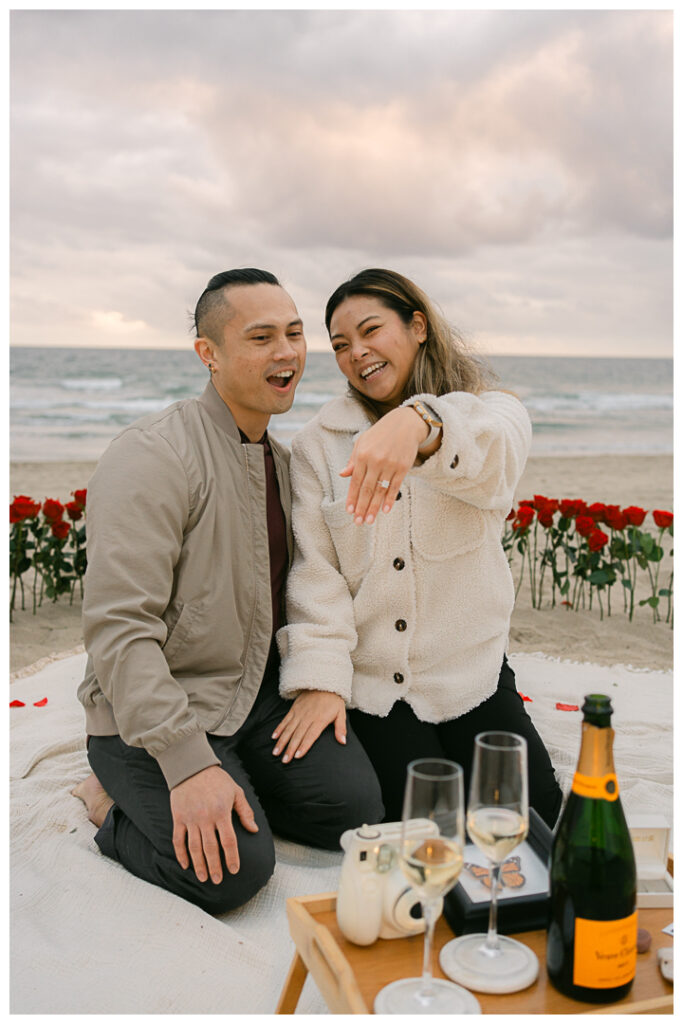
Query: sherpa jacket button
[[401, 625], [399, 564], [398, 678], [455, 462]]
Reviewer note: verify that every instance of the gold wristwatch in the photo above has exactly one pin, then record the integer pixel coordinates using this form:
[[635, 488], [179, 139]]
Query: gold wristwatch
[[432, 421]]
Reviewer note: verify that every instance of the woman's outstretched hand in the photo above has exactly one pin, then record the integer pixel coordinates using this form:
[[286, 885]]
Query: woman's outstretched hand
[[311, 712], [383, 453]]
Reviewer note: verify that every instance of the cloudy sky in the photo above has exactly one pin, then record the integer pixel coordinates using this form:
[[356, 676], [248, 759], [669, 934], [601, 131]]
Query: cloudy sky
[[517, 165]]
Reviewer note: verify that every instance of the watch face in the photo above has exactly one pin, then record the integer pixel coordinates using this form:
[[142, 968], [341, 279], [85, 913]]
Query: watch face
[[427, 415]]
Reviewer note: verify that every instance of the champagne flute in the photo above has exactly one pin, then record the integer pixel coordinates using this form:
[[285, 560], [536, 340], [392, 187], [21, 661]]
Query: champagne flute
[[434, 791], [497, 821]]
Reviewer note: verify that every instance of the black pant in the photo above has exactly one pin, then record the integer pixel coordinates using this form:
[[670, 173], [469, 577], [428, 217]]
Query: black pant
[[394, 741], [311, 800]]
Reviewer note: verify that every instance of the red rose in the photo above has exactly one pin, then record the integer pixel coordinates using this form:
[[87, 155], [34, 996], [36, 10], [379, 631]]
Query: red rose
[[510, 515], [527, 503], [525, 517], [596, 511], [23, 507], [79, 496], [53, 510], [662, 519], [546, 508], [634, 515], [584, 525], [60, 529], [597, 540], [570, 507], [74, 510], [615, 518]]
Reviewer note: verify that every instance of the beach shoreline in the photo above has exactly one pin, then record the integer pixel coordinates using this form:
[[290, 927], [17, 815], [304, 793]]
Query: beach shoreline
[[574, 635], [645, 480]]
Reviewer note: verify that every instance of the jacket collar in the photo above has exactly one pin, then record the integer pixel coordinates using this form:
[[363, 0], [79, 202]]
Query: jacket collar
[[344, 414], [219, 412]]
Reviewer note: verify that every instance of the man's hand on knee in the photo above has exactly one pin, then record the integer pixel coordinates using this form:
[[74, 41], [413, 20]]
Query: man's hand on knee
[[201, 807]]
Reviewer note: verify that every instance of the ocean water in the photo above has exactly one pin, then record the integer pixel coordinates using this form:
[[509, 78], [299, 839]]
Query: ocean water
[[66, 404]]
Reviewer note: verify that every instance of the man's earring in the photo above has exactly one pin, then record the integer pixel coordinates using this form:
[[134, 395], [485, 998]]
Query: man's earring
[[210, 369]]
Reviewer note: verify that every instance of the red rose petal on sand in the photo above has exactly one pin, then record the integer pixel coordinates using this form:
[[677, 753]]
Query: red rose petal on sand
[[524, 697], [567, 707], [40, 703], [17, 704]]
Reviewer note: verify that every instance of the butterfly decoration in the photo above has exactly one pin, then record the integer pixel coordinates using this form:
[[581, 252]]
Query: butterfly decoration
[[509, 877]]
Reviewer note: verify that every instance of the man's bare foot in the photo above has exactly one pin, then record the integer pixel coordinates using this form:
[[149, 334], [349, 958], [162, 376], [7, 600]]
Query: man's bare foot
[[97, 801]]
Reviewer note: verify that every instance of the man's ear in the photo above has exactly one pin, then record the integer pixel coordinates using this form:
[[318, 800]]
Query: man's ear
[[204, 349]]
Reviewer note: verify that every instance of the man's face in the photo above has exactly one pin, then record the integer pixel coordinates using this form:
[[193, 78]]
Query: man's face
[[261, 359]]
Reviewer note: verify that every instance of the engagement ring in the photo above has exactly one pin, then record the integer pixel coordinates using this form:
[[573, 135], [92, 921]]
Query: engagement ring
[[384, 484]]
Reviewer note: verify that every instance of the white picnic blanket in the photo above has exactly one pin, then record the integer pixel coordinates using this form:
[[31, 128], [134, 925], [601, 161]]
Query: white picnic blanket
[[87, 937]]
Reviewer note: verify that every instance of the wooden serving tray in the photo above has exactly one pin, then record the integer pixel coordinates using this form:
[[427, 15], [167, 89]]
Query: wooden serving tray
[[349, 976]]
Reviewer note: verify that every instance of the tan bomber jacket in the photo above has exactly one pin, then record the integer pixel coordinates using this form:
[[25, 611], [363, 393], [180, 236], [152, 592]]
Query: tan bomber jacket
[[177, 613]]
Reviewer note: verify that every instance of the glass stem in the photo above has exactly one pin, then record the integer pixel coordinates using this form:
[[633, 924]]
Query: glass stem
[[492, 936], [426, 988]]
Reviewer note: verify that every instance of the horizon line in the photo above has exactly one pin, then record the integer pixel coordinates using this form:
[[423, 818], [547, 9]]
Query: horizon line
[[320, 351]]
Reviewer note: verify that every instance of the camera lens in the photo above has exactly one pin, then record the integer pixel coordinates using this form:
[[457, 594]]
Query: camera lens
[[416, 911]]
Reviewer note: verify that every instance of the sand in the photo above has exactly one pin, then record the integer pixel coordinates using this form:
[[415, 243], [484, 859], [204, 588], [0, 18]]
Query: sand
[[641, 480]]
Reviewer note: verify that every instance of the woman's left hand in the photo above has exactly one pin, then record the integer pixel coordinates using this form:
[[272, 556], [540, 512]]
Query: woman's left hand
[[310, 713], [383, 453]]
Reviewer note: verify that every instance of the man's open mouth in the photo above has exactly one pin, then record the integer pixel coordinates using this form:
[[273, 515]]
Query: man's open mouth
[[281, 380]]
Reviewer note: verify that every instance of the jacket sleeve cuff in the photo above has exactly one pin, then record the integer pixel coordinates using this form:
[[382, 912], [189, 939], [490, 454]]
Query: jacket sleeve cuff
[[186, 757]]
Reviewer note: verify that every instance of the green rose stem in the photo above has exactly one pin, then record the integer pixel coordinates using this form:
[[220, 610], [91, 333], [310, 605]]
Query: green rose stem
[[600, 603], [532, 568], [547, 558], [14, 566], [659, 553]]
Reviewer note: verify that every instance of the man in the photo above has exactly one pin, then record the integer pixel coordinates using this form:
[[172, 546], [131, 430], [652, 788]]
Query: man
[[189, 541]]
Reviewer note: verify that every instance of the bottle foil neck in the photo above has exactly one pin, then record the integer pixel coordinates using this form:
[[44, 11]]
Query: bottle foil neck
[[596, 757]]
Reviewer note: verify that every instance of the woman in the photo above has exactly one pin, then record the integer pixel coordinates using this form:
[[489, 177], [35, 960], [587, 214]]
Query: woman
[[402, 615]]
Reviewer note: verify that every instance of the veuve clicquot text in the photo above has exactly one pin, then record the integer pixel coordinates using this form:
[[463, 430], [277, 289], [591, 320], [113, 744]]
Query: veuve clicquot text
[[593, 922]]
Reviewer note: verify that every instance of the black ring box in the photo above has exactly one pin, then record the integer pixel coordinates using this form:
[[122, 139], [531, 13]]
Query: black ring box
[[523, 913]]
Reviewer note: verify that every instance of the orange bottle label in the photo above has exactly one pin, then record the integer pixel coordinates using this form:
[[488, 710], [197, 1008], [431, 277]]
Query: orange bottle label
[[605, 951], [600, 787]]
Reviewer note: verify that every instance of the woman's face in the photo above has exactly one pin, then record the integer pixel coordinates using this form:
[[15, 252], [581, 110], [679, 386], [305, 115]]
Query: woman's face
[[375, 350]]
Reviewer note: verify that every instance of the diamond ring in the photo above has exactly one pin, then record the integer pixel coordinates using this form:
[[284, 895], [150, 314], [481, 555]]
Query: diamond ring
[[384, 484]]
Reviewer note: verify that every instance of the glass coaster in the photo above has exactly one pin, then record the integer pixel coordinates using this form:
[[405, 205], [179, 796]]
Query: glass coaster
[[402, 997], [466, 961]]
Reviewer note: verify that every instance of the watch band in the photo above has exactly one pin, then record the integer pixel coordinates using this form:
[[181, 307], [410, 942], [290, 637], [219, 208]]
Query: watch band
[[432, 421]]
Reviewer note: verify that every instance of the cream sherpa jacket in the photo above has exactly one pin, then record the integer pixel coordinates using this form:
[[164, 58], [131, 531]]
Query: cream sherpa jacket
[[416, 606]]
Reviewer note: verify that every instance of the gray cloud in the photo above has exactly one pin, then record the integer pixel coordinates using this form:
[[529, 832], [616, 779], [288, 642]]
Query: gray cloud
[[514, 151]]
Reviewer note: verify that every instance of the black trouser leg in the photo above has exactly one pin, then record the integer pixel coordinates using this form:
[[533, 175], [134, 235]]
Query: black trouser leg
[[505, 710], [310, 800], [391, 743], [394, 741], [315, 798], [138, 830]]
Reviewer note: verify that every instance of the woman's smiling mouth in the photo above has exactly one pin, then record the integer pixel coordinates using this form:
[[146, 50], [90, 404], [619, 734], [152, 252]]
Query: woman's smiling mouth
[[372, 370]]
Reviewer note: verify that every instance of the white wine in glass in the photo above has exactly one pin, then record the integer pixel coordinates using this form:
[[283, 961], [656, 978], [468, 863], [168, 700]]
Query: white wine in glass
[[497, 822], [434, 790]]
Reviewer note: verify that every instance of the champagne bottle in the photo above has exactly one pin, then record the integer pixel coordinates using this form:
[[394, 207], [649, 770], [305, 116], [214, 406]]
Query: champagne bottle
[[593, 922]]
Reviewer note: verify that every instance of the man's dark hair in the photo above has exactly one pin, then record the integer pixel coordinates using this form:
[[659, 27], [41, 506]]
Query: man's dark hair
[[211, 308]]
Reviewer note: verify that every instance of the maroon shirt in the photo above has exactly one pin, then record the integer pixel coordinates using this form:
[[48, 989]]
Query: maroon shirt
[[277, 533]]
